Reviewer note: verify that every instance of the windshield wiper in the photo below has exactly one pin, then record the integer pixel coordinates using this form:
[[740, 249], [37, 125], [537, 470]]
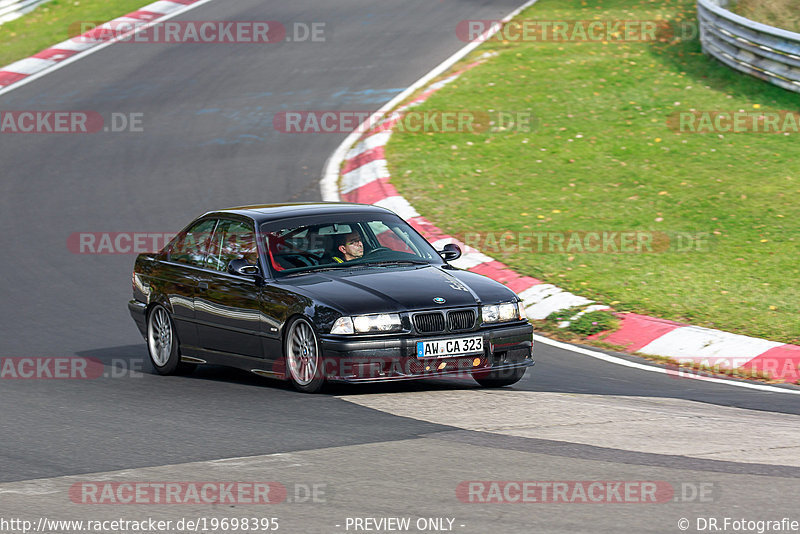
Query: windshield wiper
[[321, 268], [357, 265], [396, 262]]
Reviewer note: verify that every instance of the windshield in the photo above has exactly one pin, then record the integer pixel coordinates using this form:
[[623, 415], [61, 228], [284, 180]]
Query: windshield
[[344, 241]]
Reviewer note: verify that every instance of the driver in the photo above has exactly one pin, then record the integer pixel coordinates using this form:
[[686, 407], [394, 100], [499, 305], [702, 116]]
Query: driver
[[349, 247]]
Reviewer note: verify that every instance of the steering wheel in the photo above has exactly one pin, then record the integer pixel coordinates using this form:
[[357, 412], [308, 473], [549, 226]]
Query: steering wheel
[[378, 249], [302, 259]]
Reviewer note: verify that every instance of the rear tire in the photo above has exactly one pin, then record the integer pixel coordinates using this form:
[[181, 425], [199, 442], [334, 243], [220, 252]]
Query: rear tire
[[499, 378], [303, 356], [163, 345]]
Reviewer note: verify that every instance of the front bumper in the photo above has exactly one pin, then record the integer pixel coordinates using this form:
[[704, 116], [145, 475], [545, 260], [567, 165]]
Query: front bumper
[[395, 358]]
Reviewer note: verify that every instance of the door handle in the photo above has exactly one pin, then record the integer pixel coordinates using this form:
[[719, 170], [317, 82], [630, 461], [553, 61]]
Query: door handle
[[202, 285]]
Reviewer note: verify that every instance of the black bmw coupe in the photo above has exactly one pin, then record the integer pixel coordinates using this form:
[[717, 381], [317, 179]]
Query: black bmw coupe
[[326, 291]]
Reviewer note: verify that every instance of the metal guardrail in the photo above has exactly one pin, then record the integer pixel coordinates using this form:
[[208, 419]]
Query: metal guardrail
[[762, 51], [12, 9]]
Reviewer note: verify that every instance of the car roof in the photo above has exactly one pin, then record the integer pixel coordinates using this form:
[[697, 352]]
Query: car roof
[[270, 212]]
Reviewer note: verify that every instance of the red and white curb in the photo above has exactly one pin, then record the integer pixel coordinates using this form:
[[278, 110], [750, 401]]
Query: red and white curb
[[77, 47], [358, 172]]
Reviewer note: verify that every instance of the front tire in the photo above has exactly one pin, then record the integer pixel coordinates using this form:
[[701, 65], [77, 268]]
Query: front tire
[[162, 343], [303, 356], [500, 377]]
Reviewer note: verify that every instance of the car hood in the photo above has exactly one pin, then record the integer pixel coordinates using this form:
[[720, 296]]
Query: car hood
[[398, 289]]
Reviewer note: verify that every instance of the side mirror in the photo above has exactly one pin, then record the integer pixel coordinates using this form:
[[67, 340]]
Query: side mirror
[[243, 267], [450, 252]]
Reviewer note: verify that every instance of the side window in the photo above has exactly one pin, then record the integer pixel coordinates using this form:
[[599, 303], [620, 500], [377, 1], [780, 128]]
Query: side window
[[389, 238], [233, 240], [191, 247]]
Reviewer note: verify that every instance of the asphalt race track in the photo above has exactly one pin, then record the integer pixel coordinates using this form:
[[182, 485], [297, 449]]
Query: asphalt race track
[[398, 450]]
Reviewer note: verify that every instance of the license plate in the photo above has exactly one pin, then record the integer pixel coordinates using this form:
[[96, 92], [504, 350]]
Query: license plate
[[442, 348]]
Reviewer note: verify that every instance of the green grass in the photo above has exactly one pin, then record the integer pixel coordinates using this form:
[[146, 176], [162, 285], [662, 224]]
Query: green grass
[[587, 324], [604, 159], [51, 23]]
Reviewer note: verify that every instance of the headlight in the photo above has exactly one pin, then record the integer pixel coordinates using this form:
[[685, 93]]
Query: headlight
[[364, 324], [501, 312]]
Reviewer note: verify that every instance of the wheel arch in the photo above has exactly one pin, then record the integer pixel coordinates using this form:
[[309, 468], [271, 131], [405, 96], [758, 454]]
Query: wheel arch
[[159, 300]]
